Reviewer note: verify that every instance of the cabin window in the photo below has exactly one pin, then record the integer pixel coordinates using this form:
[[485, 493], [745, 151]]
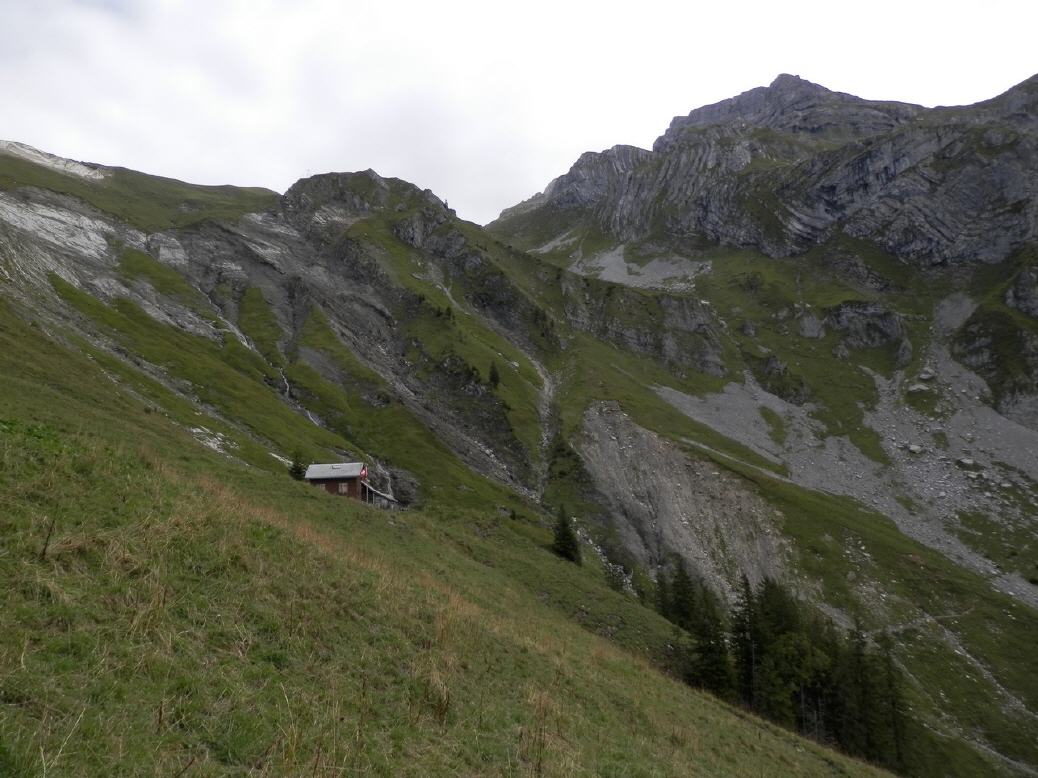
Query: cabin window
[[344, 487]]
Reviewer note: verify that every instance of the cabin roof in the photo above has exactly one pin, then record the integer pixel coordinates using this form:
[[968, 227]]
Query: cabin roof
[[340, 470]]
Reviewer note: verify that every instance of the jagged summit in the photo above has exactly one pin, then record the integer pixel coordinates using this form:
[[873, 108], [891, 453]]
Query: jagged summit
[[793, 104], [787, 81]]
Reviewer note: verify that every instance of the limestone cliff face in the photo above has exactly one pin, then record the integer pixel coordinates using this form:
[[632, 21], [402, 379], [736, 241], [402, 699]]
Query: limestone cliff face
[[786, 167]]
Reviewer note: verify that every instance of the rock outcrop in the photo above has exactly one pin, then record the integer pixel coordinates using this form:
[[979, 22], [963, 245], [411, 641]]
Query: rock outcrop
[[662, 502], [1023, 294]]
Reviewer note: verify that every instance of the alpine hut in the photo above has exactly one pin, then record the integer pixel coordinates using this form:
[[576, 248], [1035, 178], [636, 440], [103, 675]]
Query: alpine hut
[[349, 479], [343, 478]]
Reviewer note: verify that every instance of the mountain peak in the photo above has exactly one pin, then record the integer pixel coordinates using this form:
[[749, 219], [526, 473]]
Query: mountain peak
[[794, 105], [786, 82]]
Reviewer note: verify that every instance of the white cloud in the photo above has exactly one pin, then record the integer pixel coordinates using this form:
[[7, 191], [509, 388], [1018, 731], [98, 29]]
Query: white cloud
[[481, 102]]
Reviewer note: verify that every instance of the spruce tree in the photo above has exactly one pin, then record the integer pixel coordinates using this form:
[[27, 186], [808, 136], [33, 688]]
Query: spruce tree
[[816, 695], [888, 714], [744, 642], [852, 696], [566, 544], [297, 469], [713, 667], [682, 597], [663, 600], [773, 692], [495, 376]]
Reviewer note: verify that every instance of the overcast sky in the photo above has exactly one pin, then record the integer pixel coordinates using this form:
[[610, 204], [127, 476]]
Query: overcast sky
[[482, 102]]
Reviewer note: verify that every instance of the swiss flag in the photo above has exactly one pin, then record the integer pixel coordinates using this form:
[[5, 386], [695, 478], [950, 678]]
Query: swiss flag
[[364, 473]]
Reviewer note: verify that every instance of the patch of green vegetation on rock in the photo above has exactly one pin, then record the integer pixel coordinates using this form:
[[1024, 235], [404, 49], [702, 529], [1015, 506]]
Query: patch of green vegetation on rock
[[767, 209], [1013, 548], [1001, 345], [927, 402], [165, 280], [776, 424], [354, 401], [260, 325]]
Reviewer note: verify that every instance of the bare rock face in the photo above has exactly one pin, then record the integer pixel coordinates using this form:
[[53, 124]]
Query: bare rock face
[[868, 325], [810, 326], [1005, 355], [1023, 295], [663, 501], [786, 167], [676, 329]]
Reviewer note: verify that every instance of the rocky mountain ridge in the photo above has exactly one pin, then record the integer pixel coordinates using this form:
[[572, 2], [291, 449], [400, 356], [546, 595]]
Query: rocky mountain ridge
[[787, 167], [794, 105]]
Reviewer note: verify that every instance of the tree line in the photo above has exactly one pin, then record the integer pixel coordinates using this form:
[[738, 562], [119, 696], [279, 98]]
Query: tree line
[[789, 664]]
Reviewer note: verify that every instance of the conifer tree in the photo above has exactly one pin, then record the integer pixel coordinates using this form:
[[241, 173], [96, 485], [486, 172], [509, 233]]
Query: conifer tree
[[816, 701], [682, 597], [852, 694], [495, 376], [566, 544], [888, 714], [744, 645], [713, 668], [643, 585], [772, 691], [789, 665], [663, 594], [297, 469]]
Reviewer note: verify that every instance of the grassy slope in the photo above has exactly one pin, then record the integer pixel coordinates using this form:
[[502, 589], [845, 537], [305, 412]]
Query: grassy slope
[[147, 202], [193, 611], [258, 322]]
